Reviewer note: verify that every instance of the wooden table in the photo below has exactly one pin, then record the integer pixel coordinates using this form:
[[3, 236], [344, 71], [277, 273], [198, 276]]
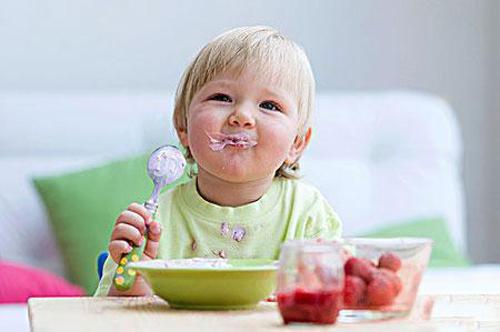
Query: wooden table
[[431, 313]]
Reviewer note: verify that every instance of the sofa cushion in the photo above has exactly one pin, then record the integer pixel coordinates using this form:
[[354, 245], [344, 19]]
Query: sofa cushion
[[20, 282], [83, 207], [444, 251]]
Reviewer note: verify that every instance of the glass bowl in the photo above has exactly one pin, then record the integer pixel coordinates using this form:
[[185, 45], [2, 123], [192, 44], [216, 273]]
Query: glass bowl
[[382, 276]]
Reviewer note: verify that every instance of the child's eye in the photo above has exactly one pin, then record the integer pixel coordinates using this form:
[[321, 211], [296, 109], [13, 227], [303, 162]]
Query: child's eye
[[221, 97], [269, 105]]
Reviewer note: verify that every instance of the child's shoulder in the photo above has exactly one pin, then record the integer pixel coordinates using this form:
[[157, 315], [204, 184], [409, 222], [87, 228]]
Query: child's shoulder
[[298, 184], [305, 202], [299, 189]]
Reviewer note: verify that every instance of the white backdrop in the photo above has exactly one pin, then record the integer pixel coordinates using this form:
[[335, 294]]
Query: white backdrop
[[444, 47]]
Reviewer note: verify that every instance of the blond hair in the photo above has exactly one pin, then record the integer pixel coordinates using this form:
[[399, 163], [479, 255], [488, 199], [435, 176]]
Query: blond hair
[[271, 54]]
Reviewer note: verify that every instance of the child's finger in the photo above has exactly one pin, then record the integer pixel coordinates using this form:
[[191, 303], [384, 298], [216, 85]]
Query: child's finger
[[118, 248], [140, 210], [154, 235], [132, 218], [154, 232], [127, 232]]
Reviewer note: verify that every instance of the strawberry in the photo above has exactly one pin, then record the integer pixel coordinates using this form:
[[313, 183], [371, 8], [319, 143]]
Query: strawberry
[[389, 260], [354, 290], [360, 267], [380, 290], [393, 277]]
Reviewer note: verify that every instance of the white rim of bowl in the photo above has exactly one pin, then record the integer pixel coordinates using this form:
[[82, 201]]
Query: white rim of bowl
[[155, 265]]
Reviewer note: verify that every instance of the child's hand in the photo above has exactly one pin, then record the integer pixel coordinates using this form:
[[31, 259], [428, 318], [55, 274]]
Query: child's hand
[[129, 229]]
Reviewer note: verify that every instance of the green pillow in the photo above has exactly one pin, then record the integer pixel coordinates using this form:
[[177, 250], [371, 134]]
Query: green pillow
[[83, 206], [444, 252]]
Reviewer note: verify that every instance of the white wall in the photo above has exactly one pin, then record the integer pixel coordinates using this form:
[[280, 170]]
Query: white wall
[[445, 47], [495, 130]]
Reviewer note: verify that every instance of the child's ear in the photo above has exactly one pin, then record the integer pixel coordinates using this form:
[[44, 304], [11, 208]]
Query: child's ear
[[183, 137], [298, 146]]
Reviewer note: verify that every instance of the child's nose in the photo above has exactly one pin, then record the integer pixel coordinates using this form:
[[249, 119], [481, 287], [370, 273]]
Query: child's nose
[[242, 117]]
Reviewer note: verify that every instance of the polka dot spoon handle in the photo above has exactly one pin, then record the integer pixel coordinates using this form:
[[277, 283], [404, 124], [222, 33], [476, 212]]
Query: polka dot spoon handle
[[165, 165]]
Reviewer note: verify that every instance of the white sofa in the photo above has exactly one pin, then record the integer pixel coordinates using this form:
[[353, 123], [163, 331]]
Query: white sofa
[[379, 158]]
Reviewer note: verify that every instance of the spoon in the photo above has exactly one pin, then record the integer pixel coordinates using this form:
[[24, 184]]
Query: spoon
[[165, 165]]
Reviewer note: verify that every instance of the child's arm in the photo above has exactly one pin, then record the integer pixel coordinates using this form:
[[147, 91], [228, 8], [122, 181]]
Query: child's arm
[[129, 228]]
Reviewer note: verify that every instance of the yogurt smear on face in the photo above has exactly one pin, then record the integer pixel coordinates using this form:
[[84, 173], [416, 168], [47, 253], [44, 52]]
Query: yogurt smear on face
[[218, 141]]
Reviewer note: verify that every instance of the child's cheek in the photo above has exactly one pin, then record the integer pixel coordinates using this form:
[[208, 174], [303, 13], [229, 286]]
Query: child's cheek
[[198, 128], [279, 137]]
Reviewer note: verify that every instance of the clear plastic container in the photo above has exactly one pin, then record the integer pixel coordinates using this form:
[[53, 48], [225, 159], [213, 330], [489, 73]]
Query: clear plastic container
[[310, 282]]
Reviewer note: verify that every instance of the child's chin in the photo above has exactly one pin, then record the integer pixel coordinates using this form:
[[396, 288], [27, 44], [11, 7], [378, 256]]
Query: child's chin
[[239, 174], [236, 168]]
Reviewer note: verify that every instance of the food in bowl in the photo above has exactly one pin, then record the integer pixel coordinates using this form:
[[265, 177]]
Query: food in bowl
[[210, 284], [382, 276], [310, 306], [369, 284], [310, 282], [197, 263]]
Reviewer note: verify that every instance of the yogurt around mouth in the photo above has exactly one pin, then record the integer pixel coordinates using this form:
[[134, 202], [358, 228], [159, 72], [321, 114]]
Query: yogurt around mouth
[[218, 141]]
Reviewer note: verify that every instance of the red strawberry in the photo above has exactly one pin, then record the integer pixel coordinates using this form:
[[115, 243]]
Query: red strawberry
[[354, 291], [380, 290], [393, 277], [360, 267], [390, 260]]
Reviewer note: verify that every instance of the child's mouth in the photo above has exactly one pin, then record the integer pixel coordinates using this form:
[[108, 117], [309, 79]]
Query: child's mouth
[[218, 141]]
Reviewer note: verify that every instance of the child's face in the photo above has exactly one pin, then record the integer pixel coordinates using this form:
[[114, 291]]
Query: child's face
[[251, 108]]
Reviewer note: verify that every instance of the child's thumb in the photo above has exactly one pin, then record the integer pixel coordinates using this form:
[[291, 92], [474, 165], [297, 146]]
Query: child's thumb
[[154, 234]]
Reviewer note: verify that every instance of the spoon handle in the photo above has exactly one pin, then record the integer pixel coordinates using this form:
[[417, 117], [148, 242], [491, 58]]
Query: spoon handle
[[165, 165], [124, 277]]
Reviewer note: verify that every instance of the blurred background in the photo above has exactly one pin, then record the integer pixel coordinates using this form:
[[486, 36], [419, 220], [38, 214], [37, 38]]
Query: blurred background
[[450, 48]]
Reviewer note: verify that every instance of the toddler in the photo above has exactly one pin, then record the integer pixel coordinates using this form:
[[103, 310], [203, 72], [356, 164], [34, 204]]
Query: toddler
[[242, 112]]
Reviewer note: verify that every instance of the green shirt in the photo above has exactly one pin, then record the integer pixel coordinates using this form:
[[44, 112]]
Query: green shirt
[[193, 227]]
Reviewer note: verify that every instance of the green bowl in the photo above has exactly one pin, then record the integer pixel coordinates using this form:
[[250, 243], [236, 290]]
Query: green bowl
[[239, 284]]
